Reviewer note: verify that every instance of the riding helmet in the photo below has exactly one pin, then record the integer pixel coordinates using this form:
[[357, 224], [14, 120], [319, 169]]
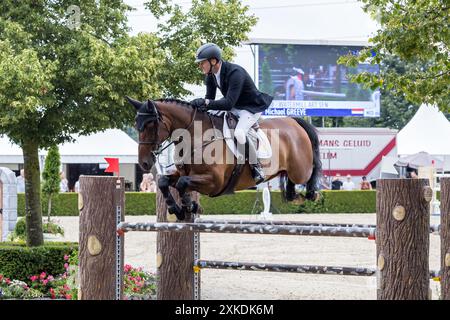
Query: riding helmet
[[208, 51]]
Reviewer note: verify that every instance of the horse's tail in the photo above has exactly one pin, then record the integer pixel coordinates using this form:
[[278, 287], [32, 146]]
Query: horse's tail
[[313, 183]]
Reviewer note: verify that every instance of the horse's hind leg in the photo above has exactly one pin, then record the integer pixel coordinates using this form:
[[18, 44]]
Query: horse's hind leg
[[290, 191], [292, 195], [163, 183]]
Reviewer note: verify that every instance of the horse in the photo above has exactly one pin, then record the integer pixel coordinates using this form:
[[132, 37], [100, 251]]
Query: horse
[[296, 161]]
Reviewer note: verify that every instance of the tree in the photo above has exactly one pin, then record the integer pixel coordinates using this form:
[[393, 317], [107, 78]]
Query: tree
[[418, 34], [50, 176], [266, 81], [59, 78], [396, 111], [224, 22]]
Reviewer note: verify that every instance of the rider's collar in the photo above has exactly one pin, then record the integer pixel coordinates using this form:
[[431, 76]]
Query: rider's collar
[[217, 74]]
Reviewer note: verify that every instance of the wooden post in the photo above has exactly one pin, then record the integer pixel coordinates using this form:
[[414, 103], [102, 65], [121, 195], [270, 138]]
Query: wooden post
[[403, 239], [445, 238], [101, 205], [175, 255]]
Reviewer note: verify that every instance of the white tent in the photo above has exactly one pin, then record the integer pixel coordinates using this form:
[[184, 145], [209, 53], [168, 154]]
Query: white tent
[[427, 131], [387, 167], [112, 143], [94, 148], [9, 152]]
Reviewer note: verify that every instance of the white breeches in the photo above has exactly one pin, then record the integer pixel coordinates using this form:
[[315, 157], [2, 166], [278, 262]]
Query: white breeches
[[246, 121]]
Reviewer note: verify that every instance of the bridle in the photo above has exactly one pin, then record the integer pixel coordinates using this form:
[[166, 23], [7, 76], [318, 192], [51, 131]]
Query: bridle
[[157, 119]]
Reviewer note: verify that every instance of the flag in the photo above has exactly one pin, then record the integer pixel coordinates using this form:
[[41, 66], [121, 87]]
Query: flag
[[358, 111], [113, 165]]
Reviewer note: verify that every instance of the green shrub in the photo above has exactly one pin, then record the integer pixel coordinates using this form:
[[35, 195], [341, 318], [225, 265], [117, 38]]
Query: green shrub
[[140, 203], [19, 262], [243, 202], [53, 228], [20, 233], [20, 230]]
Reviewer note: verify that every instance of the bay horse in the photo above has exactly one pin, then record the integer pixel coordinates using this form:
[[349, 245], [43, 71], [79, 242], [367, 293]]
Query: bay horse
[[296, 159]]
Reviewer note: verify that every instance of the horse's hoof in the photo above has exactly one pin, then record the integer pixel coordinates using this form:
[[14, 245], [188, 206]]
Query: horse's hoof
[[177, 212], [317, 196], [299, 200]]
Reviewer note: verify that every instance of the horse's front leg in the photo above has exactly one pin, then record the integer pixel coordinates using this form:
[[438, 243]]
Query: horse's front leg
[[187, 205], [164, 183]]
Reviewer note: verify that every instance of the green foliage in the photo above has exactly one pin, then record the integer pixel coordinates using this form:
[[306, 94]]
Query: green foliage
[[224, 22], [50, 175], [66, 204], [396, 111], [140, 203], [418, 34], [52, 228], [266, 84], [16, 289], [138, 284], [243, 202], [56, 81], [19, 262], [19, 233]]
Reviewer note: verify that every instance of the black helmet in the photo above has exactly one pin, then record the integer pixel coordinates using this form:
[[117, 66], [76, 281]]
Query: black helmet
[[208, 51]]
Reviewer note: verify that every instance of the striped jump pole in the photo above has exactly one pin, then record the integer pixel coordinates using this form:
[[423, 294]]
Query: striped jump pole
[[434, 228], [291, 268], [248, 229], [272, 267]]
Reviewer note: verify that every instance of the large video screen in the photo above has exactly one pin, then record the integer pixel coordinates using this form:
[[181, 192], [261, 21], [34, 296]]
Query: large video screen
[[306, 80]]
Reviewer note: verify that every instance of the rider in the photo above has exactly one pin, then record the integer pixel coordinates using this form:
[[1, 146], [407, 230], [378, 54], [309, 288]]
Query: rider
[[240, 96]]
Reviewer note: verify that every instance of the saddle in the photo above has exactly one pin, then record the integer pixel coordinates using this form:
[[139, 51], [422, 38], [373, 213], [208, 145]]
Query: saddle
[[233, 119], [229, 122]]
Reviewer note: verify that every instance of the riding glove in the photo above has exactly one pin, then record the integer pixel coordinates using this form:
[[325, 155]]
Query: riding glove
[[200, 102]]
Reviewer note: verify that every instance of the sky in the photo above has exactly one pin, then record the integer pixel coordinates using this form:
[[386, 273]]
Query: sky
[[327, 20], [282, 21]]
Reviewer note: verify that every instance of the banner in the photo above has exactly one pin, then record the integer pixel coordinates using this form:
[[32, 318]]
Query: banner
[[306, 80]]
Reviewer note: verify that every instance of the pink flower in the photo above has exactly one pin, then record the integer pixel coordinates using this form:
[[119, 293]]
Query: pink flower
[[127, 268], [66, 287], [42, 275], [44, 282], [33, 278], [7, 281], [66, 266], [66, 257], [50, 278], [68, 296]]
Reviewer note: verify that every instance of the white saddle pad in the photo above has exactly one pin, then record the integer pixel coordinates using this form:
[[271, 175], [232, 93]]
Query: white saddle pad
[[264, 149]]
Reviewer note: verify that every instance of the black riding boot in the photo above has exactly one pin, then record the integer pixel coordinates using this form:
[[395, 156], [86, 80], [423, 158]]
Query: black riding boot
[[257, 171]]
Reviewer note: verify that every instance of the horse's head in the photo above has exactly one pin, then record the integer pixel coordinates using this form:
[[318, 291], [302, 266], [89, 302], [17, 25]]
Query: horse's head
[[147, 124]]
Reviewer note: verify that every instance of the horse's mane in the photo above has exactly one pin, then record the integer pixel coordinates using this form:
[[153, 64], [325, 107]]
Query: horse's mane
[[174, 100]]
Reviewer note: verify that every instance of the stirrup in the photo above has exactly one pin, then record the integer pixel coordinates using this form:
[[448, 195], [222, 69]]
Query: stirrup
[[258, 174]]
